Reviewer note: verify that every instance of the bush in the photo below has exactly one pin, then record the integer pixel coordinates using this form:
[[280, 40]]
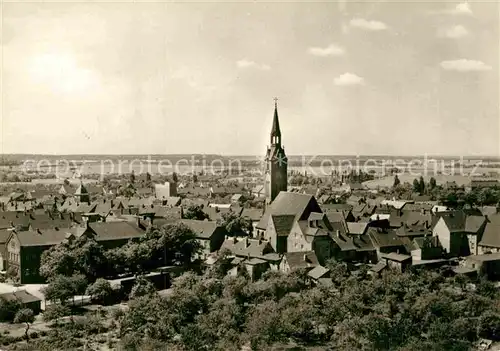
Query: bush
[[34, 335]]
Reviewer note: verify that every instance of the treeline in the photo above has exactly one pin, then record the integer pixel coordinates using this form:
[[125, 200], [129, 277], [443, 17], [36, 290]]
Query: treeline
[[213, 311]]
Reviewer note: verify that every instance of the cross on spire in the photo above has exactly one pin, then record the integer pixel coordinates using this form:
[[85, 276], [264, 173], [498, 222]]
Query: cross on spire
[[275, 102]]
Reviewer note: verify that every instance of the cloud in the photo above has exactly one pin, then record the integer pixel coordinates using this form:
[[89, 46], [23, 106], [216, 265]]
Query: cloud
[[367, 25], [252, 64], [330, 50], [349, 79], [462, 8], [454, 32], [464, 65]]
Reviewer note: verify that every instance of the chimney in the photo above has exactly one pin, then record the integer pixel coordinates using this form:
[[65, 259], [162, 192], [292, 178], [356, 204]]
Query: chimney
[[247, 244], [39, 231]]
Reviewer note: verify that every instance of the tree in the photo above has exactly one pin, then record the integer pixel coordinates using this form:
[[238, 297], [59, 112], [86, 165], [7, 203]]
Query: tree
[[8, 309], [421, 184], [432, 183], [101, 291], [148, 177], [132, 177], [176, 243], [396, 181], [416, 186], [26, 316], [235, 224], [195, 212], [175, 177], [61, 288], [58, 260], [142, 287], [54, 312], [195, 178]]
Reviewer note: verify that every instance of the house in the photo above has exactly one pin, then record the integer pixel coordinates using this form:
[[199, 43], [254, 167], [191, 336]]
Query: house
[[216, 213], [357, 228], [287, 209], [312, 234], [25, 248], [376, 270], [237, 198], [490, 240], [82, 194], [247, 247], [166, 190], [385, 240], [458, 233], [171, 213], [256, 267], [258, 191], [396, 261], [254, 215], [171, 201], [4, 236], [426, 248], [208, 234], [483, 183], [485, 264], [298, 260], [25, 299], [318, 272], [113, 234]]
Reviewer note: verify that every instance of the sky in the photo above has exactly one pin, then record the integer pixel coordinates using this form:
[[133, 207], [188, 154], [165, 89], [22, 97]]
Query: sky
[[352, 78]]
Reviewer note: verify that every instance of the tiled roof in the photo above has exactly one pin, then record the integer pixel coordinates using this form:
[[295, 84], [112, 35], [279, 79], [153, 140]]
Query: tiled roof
[[474, 223], [20, 295], [318, 272], [301, 259], [47, 237], [115, 230], [254, 214], [357, 228], [384, 237], [247, 247], [203, 229], [491, 235], [287, 203], [363, 243], [344, 242], [283, 224]]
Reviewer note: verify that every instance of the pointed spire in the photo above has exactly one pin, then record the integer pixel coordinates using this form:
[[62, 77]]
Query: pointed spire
[[275, 130]]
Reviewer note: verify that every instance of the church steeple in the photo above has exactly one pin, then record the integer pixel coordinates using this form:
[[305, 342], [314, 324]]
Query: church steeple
[[275, 179], [275, 130]]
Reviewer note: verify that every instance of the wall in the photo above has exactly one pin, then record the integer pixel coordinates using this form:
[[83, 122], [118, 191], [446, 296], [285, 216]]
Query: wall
[[441, 231]]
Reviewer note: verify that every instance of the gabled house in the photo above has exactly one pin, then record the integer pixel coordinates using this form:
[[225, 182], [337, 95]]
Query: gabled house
[[113, 234], [286, 210], [208, 234], [249, 248], [298, 260], [25, 248], [312, 234], [458, 233], [426, 248], [490, 240], [385, 240]]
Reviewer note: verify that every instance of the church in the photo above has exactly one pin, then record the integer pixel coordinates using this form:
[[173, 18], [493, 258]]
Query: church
[[275, 174]]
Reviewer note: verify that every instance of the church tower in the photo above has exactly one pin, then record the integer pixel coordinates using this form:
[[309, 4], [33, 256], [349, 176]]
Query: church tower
[[275, 179]]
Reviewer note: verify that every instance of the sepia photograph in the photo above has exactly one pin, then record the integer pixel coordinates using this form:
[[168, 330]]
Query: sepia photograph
[[249, 175]]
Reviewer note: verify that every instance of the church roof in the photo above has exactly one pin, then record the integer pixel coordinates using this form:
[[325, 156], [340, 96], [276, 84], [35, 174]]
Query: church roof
[[275, 130]]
